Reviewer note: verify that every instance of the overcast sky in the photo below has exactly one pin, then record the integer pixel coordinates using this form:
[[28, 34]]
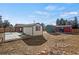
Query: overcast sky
[[46, 13]]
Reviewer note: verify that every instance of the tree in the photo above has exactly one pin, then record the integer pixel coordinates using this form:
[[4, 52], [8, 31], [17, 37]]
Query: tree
[[62, 21], [57, 22], [6, 23], [1, 22], [43, 26], [75, 22], [11, 25], [66, 22]]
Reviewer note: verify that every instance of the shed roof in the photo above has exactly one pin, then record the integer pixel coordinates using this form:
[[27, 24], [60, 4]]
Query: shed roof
[[26, 25]]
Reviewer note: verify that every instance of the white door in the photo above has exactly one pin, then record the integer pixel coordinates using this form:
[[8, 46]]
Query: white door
[[27, 30]]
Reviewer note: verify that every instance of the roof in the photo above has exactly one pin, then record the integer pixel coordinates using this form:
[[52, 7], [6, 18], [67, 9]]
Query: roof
[[26, 25], [64, 26]]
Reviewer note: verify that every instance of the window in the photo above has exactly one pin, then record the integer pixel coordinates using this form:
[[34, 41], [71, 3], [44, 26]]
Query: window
[[37, 28]]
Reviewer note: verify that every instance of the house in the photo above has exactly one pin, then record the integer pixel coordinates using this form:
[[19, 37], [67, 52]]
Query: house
[[64, 28], [29, 29]]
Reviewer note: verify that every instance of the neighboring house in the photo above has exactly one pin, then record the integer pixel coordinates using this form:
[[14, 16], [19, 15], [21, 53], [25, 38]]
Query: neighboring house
[[29, 29], [64, 28]]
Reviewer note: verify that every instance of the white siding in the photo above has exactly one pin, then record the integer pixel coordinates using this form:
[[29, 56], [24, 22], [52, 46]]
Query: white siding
[[35, 33], [27, 30]]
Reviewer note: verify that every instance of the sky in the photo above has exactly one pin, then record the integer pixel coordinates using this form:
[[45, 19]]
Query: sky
[[25, 13]]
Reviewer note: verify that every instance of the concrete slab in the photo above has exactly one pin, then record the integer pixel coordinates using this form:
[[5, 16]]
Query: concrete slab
[[12, 36]]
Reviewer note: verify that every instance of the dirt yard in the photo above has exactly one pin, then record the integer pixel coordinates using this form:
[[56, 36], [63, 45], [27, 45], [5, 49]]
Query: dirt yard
[[49, 44]]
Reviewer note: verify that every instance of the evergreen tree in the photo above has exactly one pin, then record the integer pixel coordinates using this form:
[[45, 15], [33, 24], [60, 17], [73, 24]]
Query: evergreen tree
[[57, 22], [66, 22], [43, 26], [75, 22], [62, 22], [6, 23], [1, 22]]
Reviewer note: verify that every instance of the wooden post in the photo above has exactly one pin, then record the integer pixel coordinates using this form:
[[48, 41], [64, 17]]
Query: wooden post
[[4, 35], [32, 32], [42, 31]]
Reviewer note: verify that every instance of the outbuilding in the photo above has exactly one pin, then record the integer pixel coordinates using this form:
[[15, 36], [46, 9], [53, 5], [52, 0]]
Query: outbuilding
[[50, 28], [34, 29], [64, 28]]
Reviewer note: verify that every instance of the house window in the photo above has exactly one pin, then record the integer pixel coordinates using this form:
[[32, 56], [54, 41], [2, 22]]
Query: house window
[[37, 28]]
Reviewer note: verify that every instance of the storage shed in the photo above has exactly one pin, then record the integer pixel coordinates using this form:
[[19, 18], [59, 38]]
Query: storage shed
[[64, 28], [50, 28], [30, 29]]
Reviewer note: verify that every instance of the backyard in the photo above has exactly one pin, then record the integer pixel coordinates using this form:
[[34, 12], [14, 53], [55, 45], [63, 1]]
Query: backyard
[[56, 44]]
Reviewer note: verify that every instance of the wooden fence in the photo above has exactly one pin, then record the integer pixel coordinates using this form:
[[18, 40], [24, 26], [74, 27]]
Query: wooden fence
[[75, 30], [7, 30], [16, 30], [1, 30]]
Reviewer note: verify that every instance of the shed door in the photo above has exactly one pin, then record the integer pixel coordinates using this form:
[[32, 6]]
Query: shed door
[[27, 30]]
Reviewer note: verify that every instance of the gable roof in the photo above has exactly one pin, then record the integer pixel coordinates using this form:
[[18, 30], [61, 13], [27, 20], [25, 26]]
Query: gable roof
[[26, 25]]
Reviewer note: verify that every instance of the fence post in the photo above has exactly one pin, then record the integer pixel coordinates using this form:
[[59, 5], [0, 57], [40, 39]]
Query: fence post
[[4, 36]]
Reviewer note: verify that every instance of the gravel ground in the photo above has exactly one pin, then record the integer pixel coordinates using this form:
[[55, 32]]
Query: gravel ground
[[49, 44]]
